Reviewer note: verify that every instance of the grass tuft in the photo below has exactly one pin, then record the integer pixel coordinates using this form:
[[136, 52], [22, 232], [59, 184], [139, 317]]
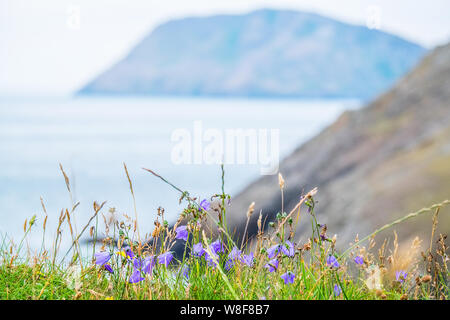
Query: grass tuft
[[271, 265]]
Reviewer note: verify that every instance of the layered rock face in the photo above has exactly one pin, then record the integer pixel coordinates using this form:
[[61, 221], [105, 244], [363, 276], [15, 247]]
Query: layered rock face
[[372, 165]]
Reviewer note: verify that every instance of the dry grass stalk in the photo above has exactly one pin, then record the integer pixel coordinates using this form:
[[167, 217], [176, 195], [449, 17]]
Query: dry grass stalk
[[297, 206]]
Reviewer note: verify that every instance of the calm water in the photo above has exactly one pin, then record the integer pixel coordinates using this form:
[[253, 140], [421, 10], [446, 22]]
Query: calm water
[[92, 138]]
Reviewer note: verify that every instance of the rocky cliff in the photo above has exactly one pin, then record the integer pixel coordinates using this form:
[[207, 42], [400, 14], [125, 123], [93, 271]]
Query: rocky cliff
[[372, 165]]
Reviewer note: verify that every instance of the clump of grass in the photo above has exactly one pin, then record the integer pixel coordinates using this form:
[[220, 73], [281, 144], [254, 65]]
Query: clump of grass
[[270, 265]]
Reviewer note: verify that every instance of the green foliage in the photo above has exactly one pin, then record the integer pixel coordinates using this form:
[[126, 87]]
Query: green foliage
[[320, 270]]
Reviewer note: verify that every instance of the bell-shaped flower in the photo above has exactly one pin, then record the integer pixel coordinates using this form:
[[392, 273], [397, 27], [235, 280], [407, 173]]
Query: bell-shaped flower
[[182, 233], [102, 257], [165, 258]]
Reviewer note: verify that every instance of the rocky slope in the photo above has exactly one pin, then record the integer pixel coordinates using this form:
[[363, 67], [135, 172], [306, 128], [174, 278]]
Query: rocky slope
[[262, 53], [372, 165]]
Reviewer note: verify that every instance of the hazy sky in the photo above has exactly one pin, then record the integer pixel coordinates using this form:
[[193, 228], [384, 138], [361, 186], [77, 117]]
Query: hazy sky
[[54, 46]]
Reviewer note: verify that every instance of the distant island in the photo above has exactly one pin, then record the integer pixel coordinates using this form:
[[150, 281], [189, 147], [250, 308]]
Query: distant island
[[265, 53]]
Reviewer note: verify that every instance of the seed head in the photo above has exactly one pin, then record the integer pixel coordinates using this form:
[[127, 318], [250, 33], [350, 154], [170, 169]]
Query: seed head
[[250, 210], [259, 223], [280, 181]]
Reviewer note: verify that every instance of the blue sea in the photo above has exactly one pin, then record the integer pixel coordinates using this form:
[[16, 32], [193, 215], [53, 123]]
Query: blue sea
[[92, 138]]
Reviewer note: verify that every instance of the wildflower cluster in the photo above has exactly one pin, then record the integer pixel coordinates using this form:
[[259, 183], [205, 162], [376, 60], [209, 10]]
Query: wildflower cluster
[[181, 262], [139, 266], [268, 266]]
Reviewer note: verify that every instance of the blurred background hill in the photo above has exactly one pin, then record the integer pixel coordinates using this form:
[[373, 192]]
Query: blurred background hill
[[264, 53]]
